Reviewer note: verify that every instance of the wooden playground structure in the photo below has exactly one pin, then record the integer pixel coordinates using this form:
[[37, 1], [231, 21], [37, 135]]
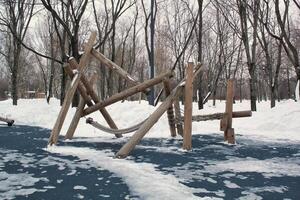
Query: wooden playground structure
[[9, 122], [177, 123]]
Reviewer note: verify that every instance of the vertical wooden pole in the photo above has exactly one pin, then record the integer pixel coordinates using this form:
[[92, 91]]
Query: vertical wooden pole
[[170, 111], [229, 131], [188, 108]]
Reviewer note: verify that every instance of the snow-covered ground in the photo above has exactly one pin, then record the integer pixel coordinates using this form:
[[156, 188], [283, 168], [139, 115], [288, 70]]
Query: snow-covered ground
[[267, 150], [281, 122]]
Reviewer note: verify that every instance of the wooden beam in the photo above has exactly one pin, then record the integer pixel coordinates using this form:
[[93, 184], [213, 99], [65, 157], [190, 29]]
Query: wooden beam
[[113, 66], [71, 91], [141, 132], [126, 93], [96, 99], [188, 108], [78, 113], [9, 122], [170, 111], [216, 116]]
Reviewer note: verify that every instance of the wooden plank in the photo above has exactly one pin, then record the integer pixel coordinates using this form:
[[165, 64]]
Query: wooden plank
[[170, 111], [9, 122], [229, 107], [141, 132], [78, 113], [71, 91], [96, 99], [126, 93], [188, 108]]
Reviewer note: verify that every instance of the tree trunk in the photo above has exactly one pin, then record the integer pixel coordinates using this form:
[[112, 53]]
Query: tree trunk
[[14, 87], [253, 89]]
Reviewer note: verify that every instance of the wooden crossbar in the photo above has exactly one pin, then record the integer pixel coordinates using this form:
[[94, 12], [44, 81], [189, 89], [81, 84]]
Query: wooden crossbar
[[126, 93], [218, 116]]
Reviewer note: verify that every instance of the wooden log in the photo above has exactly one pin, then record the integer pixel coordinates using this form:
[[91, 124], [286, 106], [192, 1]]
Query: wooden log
[[229, 108], [188, 108], [224, 123], [71, 91], [216, 116], [178, 117], [170, 111], [96, 99], [230, 136], [141, 132], [113, 66], [78, 113], [9, 122], [75, 120], [126, 93]]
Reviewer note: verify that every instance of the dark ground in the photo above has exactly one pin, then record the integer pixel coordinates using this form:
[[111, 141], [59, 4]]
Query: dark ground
[[21, 151]]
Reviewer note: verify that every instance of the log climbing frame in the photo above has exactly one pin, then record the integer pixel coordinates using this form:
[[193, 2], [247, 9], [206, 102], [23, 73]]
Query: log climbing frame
[[171, 105]]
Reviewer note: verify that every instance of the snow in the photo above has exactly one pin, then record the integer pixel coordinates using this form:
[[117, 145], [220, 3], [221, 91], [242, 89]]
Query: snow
[[280, 124], [277, 123], [79, 187], [142, 178]]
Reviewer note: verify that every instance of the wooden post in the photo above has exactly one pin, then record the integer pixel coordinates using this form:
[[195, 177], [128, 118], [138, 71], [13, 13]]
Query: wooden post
[[170, 111], [71, 91], [141, 132], [229, 131], [96, 99], [188, 108], [78, 113], [126, 93]]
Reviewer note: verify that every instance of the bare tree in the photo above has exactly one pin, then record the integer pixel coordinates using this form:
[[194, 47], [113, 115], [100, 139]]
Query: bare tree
[[16, 17]]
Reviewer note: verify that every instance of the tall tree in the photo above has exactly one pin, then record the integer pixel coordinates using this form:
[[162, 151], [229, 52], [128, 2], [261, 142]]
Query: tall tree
[[16, 16], [245, 14], [150, 19]]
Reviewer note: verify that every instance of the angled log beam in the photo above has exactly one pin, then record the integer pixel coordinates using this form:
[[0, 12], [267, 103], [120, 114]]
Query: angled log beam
[[71, 91], [141, 132], [113, 66], [126, 93], [94, 96], [78, 113]]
